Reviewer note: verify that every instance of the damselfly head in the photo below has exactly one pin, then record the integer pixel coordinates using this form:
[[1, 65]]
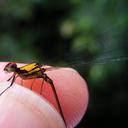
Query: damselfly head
[[10, 67]]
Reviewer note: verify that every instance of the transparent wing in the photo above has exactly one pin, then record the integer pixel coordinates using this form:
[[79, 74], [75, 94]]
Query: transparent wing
[[50, 68]]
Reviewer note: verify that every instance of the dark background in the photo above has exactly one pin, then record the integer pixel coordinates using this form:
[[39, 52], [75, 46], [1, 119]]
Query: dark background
[[88, 35]]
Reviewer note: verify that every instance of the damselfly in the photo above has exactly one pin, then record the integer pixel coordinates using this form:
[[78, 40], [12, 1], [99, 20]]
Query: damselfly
[[32, 71]]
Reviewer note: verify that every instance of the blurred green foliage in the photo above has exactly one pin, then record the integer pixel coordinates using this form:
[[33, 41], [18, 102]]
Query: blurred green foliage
[[90, 35]]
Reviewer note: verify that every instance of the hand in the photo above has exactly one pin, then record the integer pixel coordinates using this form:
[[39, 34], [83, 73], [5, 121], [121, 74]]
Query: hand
[[21, 107]]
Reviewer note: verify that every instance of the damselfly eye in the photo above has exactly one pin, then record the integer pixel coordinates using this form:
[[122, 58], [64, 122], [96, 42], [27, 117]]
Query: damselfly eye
[[13, 66], [10, 67]]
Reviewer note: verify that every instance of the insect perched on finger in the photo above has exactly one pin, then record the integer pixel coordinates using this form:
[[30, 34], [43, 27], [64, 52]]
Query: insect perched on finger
[[32, 71]]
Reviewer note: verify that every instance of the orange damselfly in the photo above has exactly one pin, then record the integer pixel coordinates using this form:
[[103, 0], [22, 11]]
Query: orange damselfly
[[32, 71]]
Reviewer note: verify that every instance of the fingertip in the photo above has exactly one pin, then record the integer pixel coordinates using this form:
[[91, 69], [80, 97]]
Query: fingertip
[[71, 89]]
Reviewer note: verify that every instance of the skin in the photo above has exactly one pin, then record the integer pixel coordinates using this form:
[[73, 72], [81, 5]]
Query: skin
[[20, 107]]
